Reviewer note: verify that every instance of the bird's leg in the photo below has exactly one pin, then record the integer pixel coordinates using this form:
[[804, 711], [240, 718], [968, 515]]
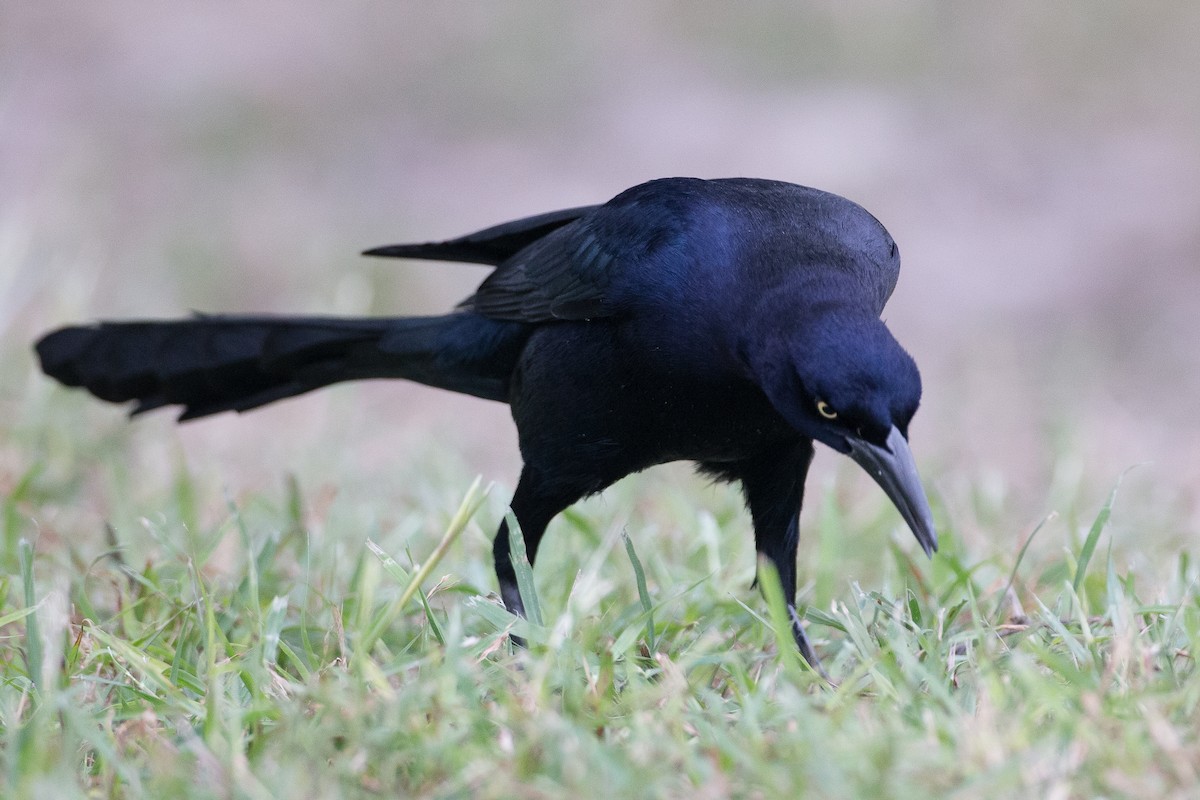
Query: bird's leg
[[505, 573], [784, 561], [534, 507], [773, 484]]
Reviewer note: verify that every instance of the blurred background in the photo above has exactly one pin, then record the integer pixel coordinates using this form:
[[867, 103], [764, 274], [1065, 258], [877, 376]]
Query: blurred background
[[1038, 165]]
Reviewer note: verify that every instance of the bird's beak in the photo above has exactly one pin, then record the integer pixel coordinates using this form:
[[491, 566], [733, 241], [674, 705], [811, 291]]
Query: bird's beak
[[893, 468]]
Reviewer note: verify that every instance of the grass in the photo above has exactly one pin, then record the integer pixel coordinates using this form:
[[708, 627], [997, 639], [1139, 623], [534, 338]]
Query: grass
[[272, 644]]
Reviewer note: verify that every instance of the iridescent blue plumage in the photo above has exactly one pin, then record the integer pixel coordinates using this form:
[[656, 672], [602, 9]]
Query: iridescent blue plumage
[[731, 323]]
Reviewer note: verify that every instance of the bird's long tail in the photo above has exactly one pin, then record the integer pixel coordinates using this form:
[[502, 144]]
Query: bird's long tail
[[209, 364]]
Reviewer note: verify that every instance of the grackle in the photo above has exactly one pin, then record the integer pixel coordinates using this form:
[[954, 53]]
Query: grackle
[[731, 323]]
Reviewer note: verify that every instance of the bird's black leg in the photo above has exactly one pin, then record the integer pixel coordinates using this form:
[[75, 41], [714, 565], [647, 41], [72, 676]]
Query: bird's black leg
[[534, 504], [773, 484]]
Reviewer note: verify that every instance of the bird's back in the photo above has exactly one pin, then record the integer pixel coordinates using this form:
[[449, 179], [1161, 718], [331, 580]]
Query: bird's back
[[686, 242]]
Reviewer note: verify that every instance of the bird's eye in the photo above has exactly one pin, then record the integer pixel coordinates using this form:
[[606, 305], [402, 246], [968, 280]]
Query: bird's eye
[[825, 411]]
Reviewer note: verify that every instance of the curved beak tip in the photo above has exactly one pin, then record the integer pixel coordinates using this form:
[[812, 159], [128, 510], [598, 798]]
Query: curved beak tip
[[387, 251], [929, 543], [893, 468]]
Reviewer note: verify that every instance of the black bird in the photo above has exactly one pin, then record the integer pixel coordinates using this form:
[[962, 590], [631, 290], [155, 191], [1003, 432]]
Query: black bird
[[727, 322]]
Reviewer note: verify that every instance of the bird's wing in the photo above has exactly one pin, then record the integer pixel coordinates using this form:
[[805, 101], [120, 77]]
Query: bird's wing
[[563, 276], [572, 264], [597, 265], [488, 246], [648, 242]]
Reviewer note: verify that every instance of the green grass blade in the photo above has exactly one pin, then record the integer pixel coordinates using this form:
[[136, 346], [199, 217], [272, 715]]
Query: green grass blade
[[373, 629], [1012, 576], [149, 673], [390, 565], [212, 692], [470, 504], [431, 620], [12, 518], [777, 613], [643, 593], [524, 570], [272, 629], [500, 618], [19, 614], [1093, 537], [33, 633]]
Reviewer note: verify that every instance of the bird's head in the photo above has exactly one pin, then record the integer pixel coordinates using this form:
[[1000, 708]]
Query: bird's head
[[843, 379]]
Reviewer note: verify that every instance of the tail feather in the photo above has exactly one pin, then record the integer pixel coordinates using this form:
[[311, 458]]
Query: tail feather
[[210, 364]]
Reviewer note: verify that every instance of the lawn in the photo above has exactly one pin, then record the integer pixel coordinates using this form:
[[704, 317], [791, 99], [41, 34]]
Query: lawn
[[167, 634]]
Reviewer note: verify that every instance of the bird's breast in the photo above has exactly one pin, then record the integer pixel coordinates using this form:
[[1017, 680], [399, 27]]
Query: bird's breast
[[655, 402]]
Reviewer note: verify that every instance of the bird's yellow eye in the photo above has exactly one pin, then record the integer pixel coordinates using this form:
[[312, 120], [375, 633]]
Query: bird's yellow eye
[[825, 411]]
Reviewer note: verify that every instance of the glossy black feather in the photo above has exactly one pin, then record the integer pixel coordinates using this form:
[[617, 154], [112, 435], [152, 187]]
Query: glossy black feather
[[732, 323], [489, 246]]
